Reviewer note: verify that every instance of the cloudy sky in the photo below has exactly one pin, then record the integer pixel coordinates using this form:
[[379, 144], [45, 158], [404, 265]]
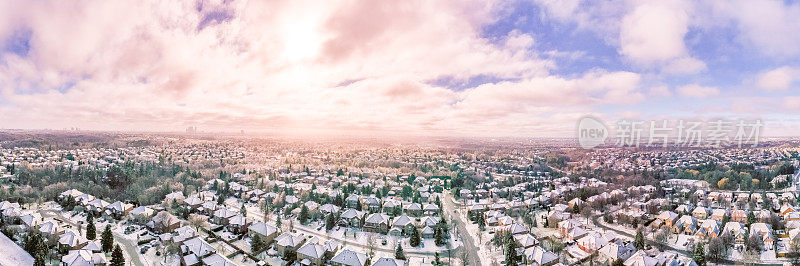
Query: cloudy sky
[[472, 68]]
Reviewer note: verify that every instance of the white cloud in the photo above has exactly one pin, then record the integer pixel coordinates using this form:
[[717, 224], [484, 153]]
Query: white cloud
[[660, 91], [275, 65], [697, 91], [791, 103], [519, 41], [653, 32], [770, 26], [685, 65], [778, 79]]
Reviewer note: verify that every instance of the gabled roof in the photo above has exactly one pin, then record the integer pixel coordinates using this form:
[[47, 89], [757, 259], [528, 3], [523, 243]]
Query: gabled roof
[[263, 228], [377, 218], [351, 213], [71, 239], [640, 259], [350, 258], [526, 240], [217, 260], [49, 227], [431, 207], [239, 220], [389, 262], [198, 247], [312, 250], [193, 201], [329, 208], [92, 246], [413, 207], [78, 258], [402, 220], [224, 213], [31, 219], [289, 240], [165, 218], [13, 254], [616, 251], [142, 210], [119, 206], [431, 220], [540, 256]]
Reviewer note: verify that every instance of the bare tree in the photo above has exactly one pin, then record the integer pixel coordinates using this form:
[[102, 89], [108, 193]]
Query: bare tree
[[371, 244], [462, 254], [197, 221]]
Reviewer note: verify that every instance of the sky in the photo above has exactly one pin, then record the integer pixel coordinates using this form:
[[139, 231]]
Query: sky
[[461, 68]]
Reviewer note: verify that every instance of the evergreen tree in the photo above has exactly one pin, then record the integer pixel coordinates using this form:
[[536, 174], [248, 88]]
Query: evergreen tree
[[304, 214], [35, 246], [91, 231], [399, 253], [116, 257], [255, 245], [638, 242], [751, 218], [415, 237], [481, 222], [440, 233], [278, 222], [329, 222], [511, 250], [436, 260], [699, 255], [618, 262], [107, 241]]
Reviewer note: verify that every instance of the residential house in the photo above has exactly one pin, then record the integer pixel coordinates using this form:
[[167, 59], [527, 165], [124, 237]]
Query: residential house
[[238, 224], [700, 212], [736, 230], [718, 214], [616, 250], [350, 258], [540, 257], [377, 222], [266, 232], [640, 259], [765, 232], [352, 218], [119, 209], [311, 254], [288, 242], [83, 257], [72, 241], [164, 222], [667, 217]]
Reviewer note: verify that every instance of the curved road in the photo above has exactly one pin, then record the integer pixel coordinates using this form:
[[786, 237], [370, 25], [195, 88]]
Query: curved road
[[466, 239]]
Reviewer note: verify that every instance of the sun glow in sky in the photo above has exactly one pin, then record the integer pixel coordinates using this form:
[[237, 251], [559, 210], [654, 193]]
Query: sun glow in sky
[[471, 68]]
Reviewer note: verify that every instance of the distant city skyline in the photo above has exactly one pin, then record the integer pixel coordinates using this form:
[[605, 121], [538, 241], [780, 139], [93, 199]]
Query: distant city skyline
[[440, 68]]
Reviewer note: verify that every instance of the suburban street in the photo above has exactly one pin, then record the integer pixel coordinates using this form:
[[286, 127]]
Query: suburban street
[[469, 244], [127, 245], [601, 224]]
